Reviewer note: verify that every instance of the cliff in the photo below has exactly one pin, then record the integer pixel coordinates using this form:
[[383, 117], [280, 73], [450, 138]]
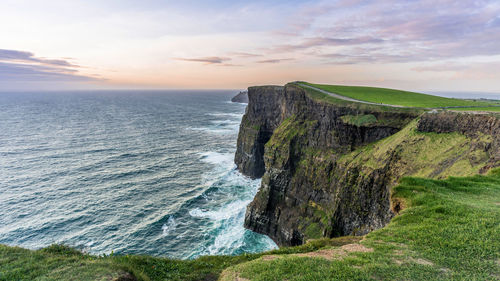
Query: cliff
[[241, 97], [327, 165]]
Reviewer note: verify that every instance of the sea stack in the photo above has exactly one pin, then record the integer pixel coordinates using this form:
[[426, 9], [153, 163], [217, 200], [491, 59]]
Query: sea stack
[[241, 97]]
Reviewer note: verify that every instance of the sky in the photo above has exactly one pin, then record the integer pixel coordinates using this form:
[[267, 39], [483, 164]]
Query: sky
[[430, 45]]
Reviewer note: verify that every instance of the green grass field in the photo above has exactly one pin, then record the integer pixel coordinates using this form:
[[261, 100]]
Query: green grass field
[[321, 97], [395, 97], [448, 230]]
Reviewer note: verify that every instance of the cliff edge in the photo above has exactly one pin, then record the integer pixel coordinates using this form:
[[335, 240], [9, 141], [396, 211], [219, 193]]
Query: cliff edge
[[328, 165]]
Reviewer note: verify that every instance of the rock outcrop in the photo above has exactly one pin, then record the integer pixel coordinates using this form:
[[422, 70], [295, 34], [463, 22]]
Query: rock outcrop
[[241, 97], [327, 166], [475, 126]]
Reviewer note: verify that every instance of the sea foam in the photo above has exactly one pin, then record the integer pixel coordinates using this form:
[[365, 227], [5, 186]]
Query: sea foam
[[169, 226]]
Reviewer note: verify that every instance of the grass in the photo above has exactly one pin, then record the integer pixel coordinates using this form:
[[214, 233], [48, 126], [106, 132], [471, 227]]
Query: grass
[[321, 97], [396, 97], [359, 120], [60, 262], [421, 154], [55, 263], [449, 230]]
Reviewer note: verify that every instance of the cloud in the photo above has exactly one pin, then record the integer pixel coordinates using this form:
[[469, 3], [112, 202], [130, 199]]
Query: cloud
[[441, 67], [404, 31], [365, 57], [483, 70], [274, 60], [206, 60], [22, 72], [325, 41], [24, 66], [230, 64], [28, 57], [245, 55]]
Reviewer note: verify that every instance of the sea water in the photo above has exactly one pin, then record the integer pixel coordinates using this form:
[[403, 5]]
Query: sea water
[[129, 172]]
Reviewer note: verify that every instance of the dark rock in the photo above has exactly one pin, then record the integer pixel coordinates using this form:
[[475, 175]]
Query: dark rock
[[241, 97], [262, 116], [125, 276]]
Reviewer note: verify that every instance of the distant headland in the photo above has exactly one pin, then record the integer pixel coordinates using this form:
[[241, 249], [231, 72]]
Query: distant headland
[[241, 97]]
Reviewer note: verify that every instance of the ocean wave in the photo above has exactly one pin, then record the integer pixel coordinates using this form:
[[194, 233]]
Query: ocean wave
[[125, 182], [222, 159], [236, 115], [230, 125], [228, 211], [225, 122], [217, 131], [228, 240], [229, 195], [169, 226], [238, 103]]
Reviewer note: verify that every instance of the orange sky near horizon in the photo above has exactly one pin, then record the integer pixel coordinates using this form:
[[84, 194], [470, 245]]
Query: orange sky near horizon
[[414, 45]]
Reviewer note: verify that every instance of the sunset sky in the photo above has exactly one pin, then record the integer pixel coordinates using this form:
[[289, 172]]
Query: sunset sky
[[432, 45]]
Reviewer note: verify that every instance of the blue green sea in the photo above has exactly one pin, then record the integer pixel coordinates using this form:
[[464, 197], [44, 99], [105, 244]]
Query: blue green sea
[[129, 172]]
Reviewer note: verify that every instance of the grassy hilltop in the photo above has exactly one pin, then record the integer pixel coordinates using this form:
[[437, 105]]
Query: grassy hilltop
[[402, 98]]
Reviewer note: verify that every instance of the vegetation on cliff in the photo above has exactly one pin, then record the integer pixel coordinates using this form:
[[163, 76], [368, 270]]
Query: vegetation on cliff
[[423, 154]]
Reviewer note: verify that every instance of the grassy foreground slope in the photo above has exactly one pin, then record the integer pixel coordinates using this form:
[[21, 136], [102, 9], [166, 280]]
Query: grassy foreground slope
[[448, 230], [396, 97], [59, 262]]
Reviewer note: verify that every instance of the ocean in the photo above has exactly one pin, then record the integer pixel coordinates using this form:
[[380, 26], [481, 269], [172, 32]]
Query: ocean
[[128, 172]]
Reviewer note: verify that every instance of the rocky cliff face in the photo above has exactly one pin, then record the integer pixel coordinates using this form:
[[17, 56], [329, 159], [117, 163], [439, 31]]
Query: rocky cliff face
[[241, 97], [327, 167], [475, 126], [262, 117]]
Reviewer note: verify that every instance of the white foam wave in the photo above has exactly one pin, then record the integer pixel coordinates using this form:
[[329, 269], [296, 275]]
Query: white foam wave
[[169, 226], [228, 130], [223, 159], [228, 211], [236, 115], [229, 125], [231, 237], [239, 103], [228, 218], [225, 122]]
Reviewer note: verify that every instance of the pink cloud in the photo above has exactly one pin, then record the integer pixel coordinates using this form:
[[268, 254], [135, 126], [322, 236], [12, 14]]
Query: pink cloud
[[206, 60]]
